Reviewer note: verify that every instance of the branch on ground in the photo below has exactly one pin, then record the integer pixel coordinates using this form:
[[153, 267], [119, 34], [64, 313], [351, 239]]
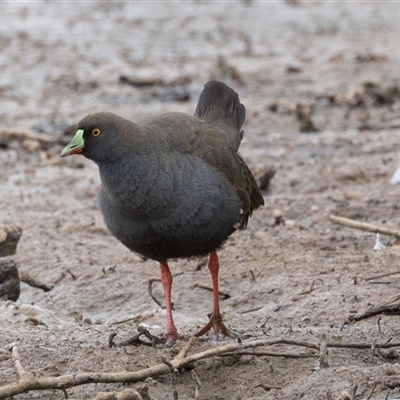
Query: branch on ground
[[364, 226], [29, 381]]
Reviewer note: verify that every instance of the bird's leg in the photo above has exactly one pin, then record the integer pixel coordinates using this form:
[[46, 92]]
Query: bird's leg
[[166, 280], [215, 321]]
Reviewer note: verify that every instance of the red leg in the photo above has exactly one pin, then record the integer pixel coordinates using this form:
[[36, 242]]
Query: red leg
[[166, 280], [216, 319]]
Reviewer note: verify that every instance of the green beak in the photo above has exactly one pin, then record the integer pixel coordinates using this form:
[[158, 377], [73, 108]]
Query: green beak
[[75, 146]]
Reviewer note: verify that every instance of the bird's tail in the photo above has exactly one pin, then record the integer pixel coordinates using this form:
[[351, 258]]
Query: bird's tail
[[220, 106]]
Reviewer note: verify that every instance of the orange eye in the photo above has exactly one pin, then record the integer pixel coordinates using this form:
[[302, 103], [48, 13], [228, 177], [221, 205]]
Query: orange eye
[[96, 132]]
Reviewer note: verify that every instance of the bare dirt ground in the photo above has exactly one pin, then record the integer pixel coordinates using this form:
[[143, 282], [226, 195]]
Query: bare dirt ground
[[321, 84]]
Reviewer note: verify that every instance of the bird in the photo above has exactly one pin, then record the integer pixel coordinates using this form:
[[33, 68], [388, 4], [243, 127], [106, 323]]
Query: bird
[[174, 185]]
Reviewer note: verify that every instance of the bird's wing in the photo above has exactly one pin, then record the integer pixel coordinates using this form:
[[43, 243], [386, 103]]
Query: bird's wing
[[214, 147]]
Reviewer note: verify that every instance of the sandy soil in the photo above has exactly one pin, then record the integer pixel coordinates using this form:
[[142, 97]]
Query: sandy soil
[[331, 69]]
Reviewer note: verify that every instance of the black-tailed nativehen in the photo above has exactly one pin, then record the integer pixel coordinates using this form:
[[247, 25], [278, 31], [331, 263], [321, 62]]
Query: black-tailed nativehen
[[174, 185]]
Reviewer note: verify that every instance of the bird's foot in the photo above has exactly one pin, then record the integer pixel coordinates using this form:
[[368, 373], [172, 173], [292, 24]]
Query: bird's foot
[[171, 337], [218, 325]]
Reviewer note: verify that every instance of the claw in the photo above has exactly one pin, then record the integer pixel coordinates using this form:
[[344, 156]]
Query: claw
[[217, 324]]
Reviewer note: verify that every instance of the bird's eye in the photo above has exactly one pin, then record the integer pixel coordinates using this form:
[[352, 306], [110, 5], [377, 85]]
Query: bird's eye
[[96, 132]]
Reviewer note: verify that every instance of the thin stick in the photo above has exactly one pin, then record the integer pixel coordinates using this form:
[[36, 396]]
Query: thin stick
[[23, 134], [323, 355], [309, 290], [111, 339], [372, 356], [391, 305], [364, 226], [135, 339], [267, 388], [210, 289], [16, 357], [150, 288], [379, 324], [172, 374], [198, 384], [372, 391], [381, 276], [272, 354], [186, 348], [353, 392], [265, 322], [362, 345], [253, 278], [73, 276], [252, 310], [135, 318]]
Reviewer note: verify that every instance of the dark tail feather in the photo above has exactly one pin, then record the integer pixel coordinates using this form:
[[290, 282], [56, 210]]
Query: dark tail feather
[[219, 105]]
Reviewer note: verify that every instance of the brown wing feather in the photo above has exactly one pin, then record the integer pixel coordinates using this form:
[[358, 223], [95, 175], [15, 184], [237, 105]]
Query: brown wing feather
[[218, 143], [214, 147], [254, 197]]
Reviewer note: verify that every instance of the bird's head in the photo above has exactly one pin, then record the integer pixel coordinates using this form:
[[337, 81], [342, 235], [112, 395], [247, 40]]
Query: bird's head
[[99, 137]]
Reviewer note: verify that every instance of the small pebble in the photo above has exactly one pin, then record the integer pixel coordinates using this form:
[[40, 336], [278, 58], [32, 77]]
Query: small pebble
[[290, 223]]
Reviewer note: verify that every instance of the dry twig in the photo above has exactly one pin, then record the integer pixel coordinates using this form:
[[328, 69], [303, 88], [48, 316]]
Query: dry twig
[[173, 377], [267, 388], [372, 391], [265, 322], [135, 339], [364, 226], [392, 305], [27, 134], [323, 354], [379, 324], [309, 290], [371, 278], [340, 345], [210, 289], [135, 318], [198, 384], [272, 354], [111, 339], [16, 357], [29, 381], [150, 288], [372, 355], [353, 392], [251, 310]]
